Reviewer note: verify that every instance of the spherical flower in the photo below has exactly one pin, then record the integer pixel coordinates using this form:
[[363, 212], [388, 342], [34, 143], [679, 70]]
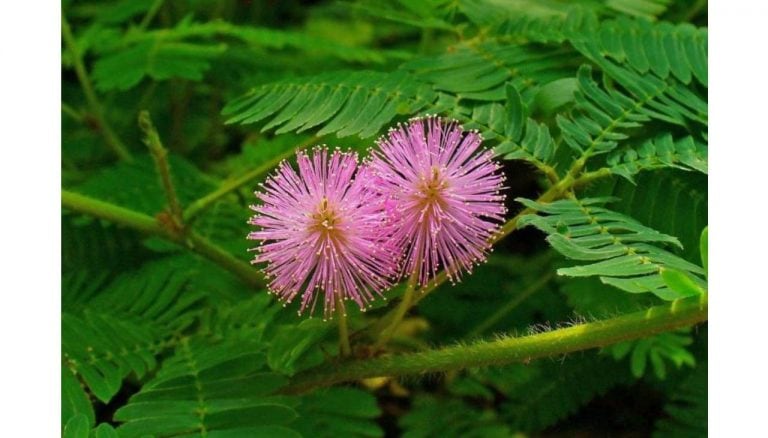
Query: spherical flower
[[443, 194], [321, 231]]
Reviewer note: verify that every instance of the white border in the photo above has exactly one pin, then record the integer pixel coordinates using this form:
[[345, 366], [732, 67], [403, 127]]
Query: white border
[[30, 144], [738, 251]]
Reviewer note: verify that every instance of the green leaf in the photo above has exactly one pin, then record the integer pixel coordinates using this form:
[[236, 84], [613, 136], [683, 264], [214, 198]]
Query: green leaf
[[605, 114], [347, 103], [74, 400], [77, 427], [551, 391], [623, 252], [158, 60], [553, 96], [639, 8], [686, 409], [220, 387], [681, 283], [124, 327], [104, 431], [137, 186], [482, 71], [457, 419], [661, 152], [295, 346], [658, 350], [334, 412]]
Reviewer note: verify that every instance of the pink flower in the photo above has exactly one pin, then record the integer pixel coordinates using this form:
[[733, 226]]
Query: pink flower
[[447, 195], [321, 230]]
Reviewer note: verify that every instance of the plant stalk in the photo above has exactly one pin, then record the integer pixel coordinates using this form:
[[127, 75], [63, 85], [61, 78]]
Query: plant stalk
[[112, 140], [147, 224], [200, 205], [405, 304], [160, 157], [341, 313], [680, 313]]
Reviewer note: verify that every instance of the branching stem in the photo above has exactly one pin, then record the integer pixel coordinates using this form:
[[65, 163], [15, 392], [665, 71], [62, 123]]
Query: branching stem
[[160, 157], [147, 224]]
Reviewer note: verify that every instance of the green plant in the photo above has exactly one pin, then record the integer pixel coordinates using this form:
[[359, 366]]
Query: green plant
[[174, 112]]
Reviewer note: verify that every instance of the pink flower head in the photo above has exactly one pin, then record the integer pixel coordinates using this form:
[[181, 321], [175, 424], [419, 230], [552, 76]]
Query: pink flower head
[[447, 192], [321, 231]]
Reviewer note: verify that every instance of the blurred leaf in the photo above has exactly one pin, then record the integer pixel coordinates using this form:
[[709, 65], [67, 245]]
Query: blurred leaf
[[657, 350], [334, 412], [687, 408], [704, 248]]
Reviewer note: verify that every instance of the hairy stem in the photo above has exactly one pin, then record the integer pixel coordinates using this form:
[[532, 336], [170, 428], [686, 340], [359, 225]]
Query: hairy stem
[[160, 157], [658, 319], [198, 206], [147, 224], [113, 142]]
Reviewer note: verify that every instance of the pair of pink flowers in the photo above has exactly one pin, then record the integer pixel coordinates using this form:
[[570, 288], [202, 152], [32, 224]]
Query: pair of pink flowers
[[428, 197]]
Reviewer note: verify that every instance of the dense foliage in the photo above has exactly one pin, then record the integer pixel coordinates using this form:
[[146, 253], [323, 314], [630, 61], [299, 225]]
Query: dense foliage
[[174, 111]]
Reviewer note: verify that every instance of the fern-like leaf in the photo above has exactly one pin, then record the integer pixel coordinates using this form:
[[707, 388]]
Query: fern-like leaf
[[666, 200], [552, 391], [122, 329], [656, 350], [604, 113], [124, 69], [661, 152], [625, 254], [664, 49], [687, 409], [336, 412], [457, 420], [209, 389], [348, 103], [481, 71]]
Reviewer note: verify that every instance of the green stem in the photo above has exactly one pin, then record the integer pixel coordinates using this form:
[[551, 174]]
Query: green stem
[[71, 112], [160, 157], [405, 304], [341, 313], [659, 319], [216, 254], [113, 142], [198, 206], [144, 223], [150, 15], [111, 212], [510, 306]]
